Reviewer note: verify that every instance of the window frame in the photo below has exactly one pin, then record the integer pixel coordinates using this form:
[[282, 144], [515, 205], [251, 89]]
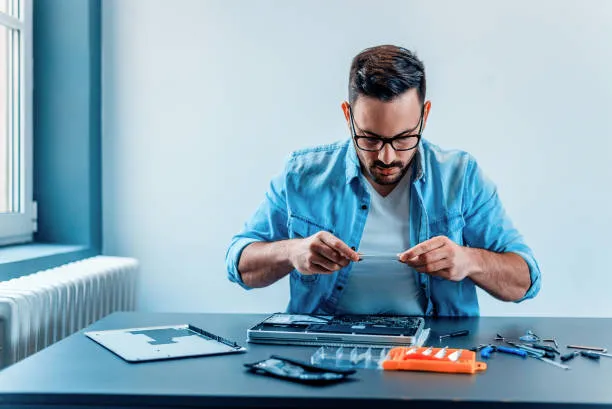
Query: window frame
[[67, 135], [19, 227]]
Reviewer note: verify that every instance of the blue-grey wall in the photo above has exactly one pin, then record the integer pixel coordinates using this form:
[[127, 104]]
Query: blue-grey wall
[[67, 182]]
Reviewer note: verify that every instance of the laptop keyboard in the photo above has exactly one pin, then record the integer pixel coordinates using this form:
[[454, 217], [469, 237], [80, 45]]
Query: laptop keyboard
[[370, 325], [378, 321]]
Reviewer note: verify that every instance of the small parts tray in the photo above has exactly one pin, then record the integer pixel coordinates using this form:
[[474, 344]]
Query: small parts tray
[[399, 360], [357, 357]]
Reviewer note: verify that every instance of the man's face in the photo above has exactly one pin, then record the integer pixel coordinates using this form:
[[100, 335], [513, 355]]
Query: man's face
[[400, 117]]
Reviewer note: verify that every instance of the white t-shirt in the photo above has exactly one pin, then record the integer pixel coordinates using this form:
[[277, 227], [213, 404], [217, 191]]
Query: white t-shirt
[[384, 286]]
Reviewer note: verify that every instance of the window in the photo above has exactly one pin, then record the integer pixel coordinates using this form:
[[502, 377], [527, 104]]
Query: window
[[17, 210]]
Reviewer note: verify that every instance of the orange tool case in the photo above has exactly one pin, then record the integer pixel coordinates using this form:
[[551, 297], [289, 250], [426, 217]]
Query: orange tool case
[[398, 360]]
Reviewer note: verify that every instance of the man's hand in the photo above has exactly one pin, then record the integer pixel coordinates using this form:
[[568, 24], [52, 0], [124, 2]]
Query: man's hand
[[321, 253], [440, 256]]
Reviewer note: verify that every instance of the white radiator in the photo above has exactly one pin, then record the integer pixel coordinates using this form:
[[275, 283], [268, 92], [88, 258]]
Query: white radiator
[[38, 309]]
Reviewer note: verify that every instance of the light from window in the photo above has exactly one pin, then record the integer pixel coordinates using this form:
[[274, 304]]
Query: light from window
[[16, 206], [4, 119]]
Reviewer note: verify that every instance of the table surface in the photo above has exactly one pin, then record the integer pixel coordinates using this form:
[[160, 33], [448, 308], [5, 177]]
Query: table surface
[[76, 371]]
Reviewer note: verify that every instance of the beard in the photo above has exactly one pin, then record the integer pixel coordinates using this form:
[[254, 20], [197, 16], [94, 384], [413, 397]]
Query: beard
[[381, 179]]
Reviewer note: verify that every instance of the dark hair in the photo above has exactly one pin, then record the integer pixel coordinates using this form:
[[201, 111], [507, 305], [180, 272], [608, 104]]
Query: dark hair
[[385, 72]]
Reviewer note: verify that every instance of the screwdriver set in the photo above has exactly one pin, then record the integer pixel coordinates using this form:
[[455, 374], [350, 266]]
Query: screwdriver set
[[532, 346]]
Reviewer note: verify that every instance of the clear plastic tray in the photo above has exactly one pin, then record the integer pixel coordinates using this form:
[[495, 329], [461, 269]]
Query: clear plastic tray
[[346, 357]]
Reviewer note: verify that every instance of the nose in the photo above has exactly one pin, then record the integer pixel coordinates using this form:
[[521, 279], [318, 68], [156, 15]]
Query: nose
[[386, 154]]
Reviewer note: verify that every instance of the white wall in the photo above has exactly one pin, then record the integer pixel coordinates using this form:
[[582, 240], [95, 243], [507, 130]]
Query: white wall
[[203, 100]]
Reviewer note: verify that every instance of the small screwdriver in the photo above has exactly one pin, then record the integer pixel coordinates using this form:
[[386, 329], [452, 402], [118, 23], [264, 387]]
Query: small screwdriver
[[589, 354], [586, 354], [514, 351], [569, 356], [546, 348], [455, 334], [485, 352]]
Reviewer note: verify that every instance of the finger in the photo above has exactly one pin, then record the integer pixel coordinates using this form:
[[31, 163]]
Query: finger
[[435, 268], [326, 266], [338, 245], [430, 257], [330, 254], [311, 267], [315, 269], [423, 247]]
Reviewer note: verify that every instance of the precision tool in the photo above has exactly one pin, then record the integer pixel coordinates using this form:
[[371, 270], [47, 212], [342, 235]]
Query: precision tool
[[378, 257], [600, 353], [538, 354], [533, 351], [590, 354], [526, 348], [545, 354], [546, 348], [598, 349], [513, 351], [455, 334], [586, 354], [478, 348], [569, 356], [485, 352], [530, 336], [550, 361], [554, 341], [499, 337]]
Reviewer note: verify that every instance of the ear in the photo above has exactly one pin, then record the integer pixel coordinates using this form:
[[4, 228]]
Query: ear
[[426, 108], [345, 109]]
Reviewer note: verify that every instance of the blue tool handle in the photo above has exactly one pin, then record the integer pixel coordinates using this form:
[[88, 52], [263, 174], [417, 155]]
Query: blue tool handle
[[589, 354], [486, 352], [514, 351], [546, 348], [569, 356]]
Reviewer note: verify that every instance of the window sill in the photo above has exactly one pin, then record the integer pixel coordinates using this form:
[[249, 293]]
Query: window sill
[[24, 259]]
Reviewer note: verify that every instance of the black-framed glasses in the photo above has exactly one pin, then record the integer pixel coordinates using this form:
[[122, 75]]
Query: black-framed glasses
[[375, 143]]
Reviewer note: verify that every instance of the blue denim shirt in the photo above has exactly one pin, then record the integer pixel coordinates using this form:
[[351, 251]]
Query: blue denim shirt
[[323, 188]]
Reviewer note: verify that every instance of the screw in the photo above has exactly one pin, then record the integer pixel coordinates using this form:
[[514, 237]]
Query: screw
[[554, 341]]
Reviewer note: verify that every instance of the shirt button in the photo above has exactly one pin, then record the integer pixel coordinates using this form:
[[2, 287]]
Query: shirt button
[[353, 248], [364, 207], [339, 288]]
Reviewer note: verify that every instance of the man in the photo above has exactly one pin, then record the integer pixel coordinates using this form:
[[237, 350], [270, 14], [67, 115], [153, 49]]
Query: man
[[386, 189]]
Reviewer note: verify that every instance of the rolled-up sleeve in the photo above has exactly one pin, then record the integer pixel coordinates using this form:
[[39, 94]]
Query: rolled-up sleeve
[[268, 223], [489, 227]]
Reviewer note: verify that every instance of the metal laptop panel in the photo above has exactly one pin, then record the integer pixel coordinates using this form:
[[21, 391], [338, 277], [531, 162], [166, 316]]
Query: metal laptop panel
[[293, 329]]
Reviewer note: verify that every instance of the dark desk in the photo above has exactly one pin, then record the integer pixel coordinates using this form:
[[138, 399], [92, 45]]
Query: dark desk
[[77, 372]]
